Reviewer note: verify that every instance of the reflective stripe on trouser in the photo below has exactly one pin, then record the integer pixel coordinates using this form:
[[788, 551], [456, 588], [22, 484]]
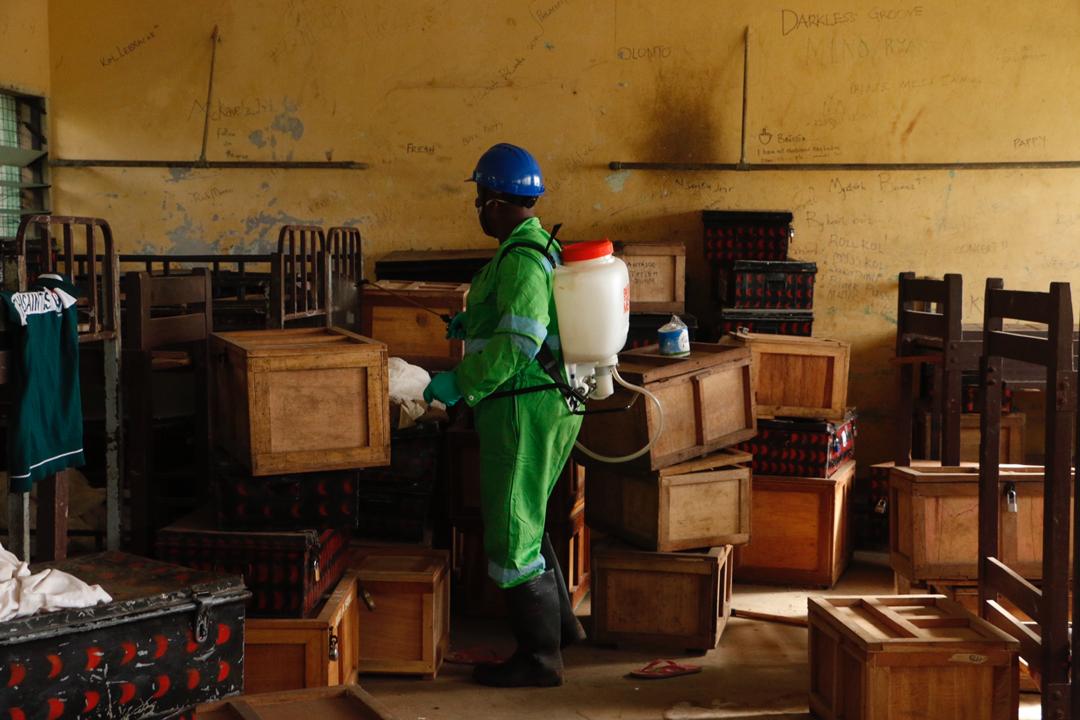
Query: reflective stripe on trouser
[[525, 441]]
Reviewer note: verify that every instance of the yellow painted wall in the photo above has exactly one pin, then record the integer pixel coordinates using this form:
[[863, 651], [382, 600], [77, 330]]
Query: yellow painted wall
[[24, 50], [418, 89]]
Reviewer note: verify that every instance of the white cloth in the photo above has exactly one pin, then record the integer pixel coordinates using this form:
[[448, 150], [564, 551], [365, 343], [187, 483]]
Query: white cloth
[[407, 383], [23, 593]]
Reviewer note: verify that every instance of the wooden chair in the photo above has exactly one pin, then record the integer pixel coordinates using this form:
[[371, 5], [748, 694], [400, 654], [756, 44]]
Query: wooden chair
[[167, 321], [1045, 645], [925, 335]]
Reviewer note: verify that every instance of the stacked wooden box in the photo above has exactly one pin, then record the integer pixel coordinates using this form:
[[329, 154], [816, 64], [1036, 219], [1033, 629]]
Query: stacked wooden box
[[295, 415], [663, 576], [657, 289], [758, 287], [803, 460], [393, 313]]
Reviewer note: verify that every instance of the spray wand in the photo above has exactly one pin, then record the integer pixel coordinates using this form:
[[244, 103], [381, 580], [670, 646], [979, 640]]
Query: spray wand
[[400, 296]]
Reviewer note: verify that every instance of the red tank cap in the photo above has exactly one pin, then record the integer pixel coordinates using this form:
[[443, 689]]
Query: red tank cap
[[579, 252]]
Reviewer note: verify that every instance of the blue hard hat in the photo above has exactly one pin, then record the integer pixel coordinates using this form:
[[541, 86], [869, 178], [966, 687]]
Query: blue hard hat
[[509, 169]]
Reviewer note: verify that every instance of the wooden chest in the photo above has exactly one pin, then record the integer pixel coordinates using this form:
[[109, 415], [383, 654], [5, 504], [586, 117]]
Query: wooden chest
[[934, 521], [410, 333], [1011, 451], [337, 703], [801, 534], [873, 520], [300, 400], [696, 504], [406, 628], [319, 651], [657, 276], [679, 600], [798, 376], [908, 656], [171, 638], [707, 400]]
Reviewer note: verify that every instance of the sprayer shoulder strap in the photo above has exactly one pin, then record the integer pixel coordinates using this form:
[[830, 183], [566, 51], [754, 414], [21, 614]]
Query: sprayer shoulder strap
[[548, 362], [545, 253]]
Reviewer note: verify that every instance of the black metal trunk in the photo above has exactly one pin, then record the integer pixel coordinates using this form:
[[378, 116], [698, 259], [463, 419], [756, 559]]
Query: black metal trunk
[[170, 639]]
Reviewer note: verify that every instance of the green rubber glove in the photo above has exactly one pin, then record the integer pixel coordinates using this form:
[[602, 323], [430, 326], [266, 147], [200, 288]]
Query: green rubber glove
[[444, 388], [455, 330]]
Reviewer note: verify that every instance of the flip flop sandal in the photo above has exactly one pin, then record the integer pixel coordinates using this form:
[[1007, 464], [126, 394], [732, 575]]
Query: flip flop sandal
[[474, 656], [660, 669]]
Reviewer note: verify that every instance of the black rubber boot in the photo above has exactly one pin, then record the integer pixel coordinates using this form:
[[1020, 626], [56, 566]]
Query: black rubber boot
[[534, 620], [572, 631]]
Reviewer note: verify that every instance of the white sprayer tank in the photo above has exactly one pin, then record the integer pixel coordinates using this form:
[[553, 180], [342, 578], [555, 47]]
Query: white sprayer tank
[[592, 301]]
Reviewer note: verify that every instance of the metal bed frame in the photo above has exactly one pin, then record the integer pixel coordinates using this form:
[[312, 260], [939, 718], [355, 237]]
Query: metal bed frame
[[312, 274]]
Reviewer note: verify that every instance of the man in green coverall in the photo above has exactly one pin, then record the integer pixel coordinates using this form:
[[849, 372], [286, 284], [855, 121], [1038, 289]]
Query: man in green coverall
[[525, 437]]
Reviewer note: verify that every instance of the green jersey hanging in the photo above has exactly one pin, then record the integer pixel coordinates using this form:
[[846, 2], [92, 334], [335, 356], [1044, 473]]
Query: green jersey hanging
[[46, 430]]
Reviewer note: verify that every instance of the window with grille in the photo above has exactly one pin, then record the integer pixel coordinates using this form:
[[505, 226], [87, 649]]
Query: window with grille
[[23, 160]]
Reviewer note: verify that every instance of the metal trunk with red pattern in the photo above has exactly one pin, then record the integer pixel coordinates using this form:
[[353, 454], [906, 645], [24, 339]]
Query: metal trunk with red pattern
[[287, 572], [766, 322], [747, 234], [782, 285], [322, 499], [797, 447], [172, 638]]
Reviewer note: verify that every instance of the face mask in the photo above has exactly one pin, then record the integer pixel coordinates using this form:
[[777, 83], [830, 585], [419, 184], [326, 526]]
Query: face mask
[[480, 206]]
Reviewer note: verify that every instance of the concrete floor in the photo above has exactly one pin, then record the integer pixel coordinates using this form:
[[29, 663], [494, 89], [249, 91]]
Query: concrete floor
[[759, 670]]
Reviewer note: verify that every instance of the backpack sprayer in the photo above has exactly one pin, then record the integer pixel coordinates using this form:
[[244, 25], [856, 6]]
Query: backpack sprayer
[[592, 303]]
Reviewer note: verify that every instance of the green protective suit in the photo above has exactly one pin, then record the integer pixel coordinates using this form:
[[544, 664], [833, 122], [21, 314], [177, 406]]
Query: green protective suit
[[525, 439]]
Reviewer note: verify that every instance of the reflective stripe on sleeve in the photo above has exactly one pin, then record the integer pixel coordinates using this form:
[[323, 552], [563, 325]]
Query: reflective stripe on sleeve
[[523, 325]]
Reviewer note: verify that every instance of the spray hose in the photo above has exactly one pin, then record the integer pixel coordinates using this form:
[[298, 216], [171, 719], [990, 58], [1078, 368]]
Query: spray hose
[[652, 440]]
